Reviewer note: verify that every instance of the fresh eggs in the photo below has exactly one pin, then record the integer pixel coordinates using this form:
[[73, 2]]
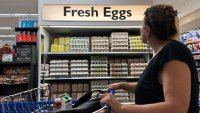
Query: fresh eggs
[[92, 12]]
